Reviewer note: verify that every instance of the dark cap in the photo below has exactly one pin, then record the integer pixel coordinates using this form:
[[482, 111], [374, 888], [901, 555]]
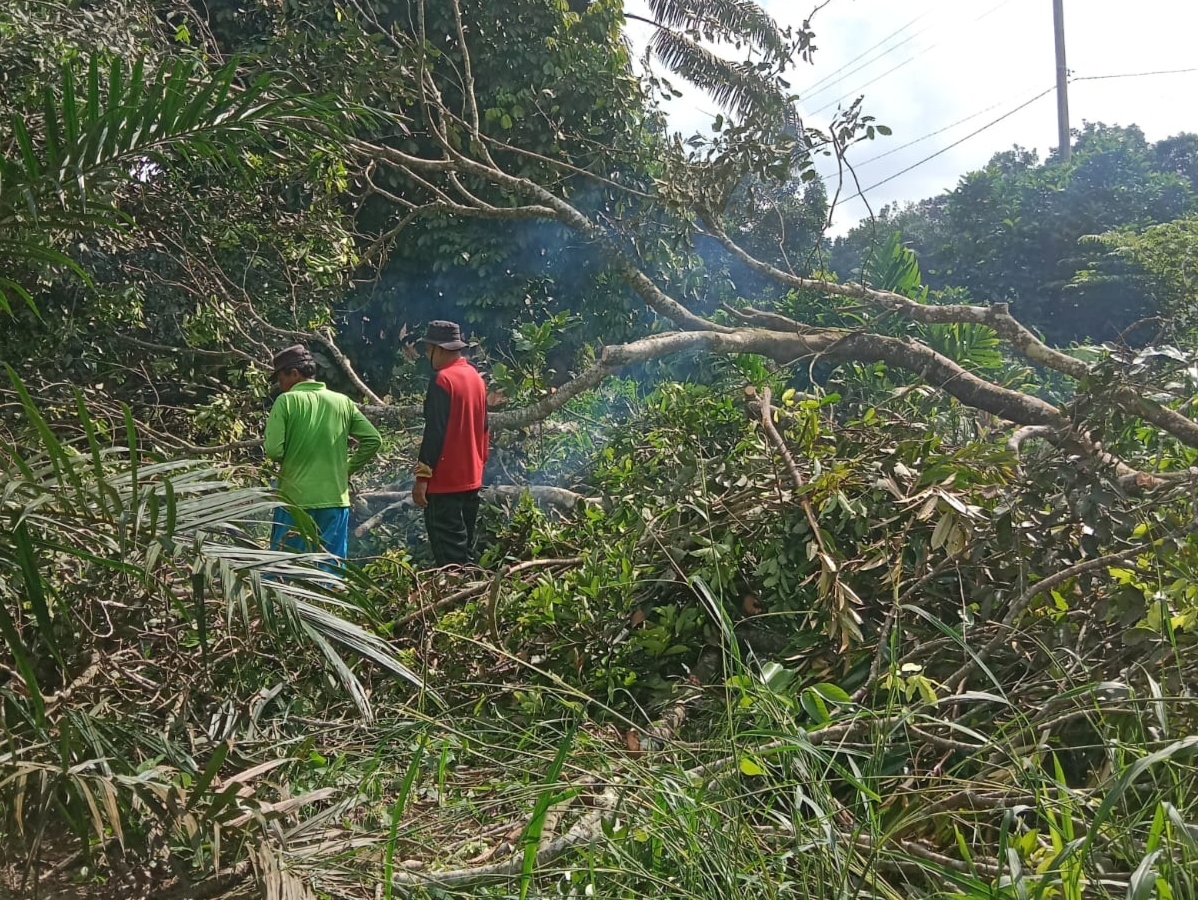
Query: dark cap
[[445, 334], [294, 357]]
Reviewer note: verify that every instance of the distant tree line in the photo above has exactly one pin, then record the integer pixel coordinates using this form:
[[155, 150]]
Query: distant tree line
[[1015, 232]]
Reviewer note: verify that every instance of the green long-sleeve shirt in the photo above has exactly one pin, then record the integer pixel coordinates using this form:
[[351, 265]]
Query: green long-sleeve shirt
[[308, 431]]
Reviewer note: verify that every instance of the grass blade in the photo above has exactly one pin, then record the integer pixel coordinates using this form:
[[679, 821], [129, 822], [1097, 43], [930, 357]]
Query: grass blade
[[35, 589], [405, 790], [547, 798]]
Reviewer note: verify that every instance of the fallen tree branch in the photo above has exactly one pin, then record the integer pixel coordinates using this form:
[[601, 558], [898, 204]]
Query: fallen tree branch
[[444, 603], [1046, 584], [325, 337], [388, 414], [93, 668], [562, 498], [585, 832], [1129, 477], [457, 163], [404, 501], [767, 423], [1027, 433], [540, 493], [996, 317], [322, 336], [983, 867], [891, 616], [477, 588], [493, 605], [850, 346]]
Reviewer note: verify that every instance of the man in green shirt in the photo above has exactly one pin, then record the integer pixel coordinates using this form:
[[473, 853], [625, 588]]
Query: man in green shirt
[[308, 432]]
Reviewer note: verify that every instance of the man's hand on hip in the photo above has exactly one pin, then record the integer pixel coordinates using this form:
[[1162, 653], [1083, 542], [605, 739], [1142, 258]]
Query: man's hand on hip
[[420, 493]]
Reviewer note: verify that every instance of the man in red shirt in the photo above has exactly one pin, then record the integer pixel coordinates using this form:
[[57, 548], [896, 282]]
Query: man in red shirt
[[454, 450]]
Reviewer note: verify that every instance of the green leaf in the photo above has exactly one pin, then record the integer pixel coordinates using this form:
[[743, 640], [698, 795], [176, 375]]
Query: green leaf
[[814, 704], [832, 693], [200, 786], [20, 655], [32, 169], [749, 767], [1142, 884]]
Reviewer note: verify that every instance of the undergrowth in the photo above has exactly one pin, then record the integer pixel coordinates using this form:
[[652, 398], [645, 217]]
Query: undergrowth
[[926, 668]]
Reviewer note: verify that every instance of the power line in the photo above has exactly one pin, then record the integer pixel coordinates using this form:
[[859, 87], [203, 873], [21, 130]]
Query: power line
[[815, 91], [908, 60], [931, 134], [1133, 75], [994, 122], [892, 69], [956, 143], [831, 75]]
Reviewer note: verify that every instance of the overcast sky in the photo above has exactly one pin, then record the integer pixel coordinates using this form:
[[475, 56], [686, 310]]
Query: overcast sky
[[939, 62]]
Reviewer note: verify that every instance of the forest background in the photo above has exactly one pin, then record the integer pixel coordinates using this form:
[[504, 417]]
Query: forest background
[[857, 567]]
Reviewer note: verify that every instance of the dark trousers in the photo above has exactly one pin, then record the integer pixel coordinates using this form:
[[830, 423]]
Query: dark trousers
[[449, 519]]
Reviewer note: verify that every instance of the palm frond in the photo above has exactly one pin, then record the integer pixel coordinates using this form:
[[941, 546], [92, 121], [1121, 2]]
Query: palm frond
[[103, 511], [294, 581], [116, 121], [731, 21], [102, 128], [740, 87], [90, 532]]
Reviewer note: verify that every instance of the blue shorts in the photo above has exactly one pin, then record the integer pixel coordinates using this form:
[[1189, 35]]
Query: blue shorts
[[332, 525]]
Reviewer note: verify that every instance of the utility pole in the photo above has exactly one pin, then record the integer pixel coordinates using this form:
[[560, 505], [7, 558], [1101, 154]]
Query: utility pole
[[1063, 139]]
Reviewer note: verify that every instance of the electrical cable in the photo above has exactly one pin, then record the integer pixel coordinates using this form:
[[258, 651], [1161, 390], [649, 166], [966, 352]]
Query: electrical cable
[[1132, 75], [931, 134], [831, 75], [956, 143], [994, 122], [905, 62], [971, 116], [828, 81], [891, 70]]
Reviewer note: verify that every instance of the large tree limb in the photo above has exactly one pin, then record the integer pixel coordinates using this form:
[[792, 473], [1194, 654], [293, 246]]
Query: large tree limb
[[784, 348], [479, 587], [1171, 421], [910, 355], [1130, 478], [996, 317], [851, 346]]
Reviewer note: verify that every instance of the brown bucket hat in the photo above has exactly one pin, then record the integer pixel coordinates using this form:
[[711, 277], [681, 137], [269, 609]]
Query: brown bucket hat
[[445, 334], [293, 357]]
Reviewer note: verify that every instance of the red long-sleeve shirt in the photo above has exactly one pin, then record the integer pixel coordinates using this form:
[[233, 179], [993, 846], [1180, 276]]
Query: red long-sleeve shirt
[[456, 438]]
